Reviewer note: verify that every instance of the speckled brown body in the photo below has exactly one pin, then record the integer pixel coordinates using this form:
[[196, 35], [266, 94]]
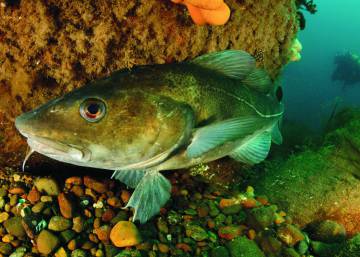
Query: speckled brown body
[[151, 114], [51, 47]]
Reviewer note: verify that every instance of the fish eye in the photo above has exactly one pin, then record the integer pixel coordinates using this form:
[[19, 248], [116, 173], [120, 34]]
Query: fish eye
[[92, 109]]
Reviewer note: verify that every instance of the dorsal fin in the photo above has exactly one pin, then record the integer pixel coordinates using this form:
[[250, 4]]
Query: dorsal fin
[[259, 80], [237, 64]]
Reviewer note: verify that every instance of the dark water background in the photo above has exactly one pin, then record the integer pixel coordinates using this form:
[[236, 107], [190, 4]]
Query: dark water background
[[309, 93]]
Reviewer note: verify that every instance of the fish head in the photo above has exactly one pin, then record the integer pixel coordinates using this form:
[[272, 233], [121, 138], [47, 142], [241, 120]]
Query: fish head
[[104, 127]]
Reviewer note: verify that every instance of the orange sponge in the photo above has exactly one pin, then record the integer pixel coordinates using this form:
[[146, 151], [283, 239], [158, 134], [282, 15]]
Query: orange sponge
[[213, 12]]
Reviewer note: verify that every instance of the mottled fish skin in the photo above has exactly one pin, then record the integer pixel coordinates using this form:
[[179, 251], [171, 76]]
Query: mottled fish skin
[[158, 118]]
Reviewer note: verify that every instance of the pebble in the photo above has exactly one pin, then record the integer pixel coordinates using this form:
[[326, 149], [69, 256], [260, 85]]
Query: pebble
[[78, 253], [78, 191], [47, 185], [243, 247], [61, 252], [114, 202], [16, 190], [220, 251], [58, 223], [13, 200], [108, 215], [14, 227], [261, 217], [162, 226], [33, 196], [3, 191], [5, 248], [290, 252], [74, 181], [125, 196], [47, 242], [3, 216], [7, 238], [103, 233], [95, 185], [38, 207], [328, 231], [290, 234], [125, 233], [163, 248], [78, 224], [184, 247], [46, 199], [19, 252], [195, 232], [324, 249], [66, 207], [67, 235], [230, 232]]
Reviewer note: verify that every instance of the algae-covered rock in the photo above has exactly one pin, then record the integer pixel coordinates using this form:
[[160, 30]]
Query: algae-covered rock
[[243, 247], [48, 48], [319, 184], [351, 248]]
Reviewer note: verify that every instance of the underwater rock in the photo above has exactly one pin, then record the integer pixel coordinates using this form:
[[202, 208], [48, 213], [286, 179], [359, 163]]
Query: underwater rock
[[298, 185], [13, 227], [351, 248], [66, 206], [47, 242], [5, 248], [327, 231], [290, 234], [220, 251], [241, 246], [58, 223], [48, 48], [125, 233], [47, 185]]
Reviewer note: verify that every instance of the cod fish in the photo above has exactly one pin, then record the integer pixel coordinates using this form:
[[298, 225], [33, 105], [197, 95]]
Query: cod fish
[[152, 118]]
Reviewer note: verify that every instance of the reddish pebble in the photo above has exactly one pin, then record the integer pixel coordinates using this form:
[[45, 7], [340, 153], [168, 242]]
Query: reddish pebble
[[95, 185], [87, 213], [103, 233], [184, 247], [251, 234], [65, 205], [97, 223], [202, 211], [249, 203], [125, 196], [77, 190], [187, 217], [211, 223], [16, 191], [263, 200], [229, 232], [33, 196], [108, 215], [163, 211], [226, 203], [73, 181], [114, 202]]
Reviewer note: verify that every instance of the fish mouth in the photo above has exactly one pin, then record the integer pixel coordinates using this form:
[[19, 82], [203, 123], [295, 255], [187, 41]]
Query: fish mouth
[[57, 150]]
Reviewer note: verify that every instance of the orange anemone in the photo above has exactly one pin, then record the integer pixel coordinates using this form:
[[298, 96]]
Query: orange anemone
[[213, 12]]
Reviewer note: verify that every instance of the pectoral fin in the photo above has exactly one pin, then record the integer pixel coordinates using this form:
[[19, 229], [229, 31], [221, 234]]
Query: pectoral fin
[[151, 193], [131, 178], [254, 150], [276, 134], [209, 137]]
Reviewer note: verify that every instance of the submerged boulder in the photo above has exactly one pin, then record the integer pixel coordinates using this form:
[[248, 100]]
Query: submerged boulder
[[320, 184]]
